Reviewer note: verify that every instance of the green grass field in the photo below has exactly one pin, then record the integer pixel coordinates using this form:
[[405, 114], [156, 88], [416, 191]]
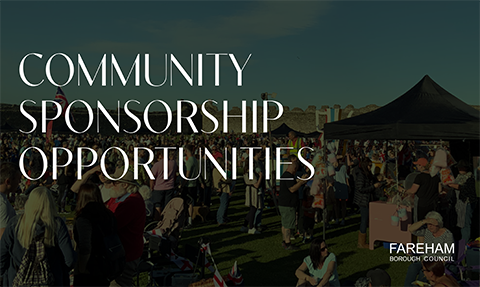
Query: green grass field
[[263, 261], [261, 258]]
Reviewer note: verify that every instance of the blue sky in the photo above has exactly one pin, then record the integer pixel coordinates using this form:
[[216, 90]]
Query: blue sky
[[309, 53]]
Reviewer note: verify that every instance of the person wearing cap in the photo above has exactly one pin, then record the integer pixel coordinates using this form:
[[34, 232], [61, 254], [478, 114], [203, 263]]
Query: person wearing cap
[[464, 186], [128, 207], [375, 278], [425, 187]]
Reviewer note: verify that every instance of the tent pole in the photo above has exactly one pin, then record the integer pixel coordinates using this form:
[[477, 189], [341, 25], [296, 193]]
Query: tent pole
[[324, 216], [396, 162]]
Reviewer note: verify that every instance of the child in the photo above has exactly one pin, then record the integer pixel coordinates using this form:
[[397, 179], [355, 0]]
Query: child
[[20, 201], [308, 215], [379, 193]]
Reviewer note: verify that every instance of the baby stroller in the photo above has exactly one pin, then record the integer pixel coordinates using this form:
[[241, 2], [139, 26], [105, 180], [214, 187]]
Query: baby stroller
[[161, 237], [168, 228]]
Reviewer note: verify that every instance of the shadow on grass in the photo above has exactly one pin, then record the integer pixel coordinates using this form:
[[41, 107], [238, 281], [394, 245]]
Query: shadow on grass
[[279, 272], [351, 225]]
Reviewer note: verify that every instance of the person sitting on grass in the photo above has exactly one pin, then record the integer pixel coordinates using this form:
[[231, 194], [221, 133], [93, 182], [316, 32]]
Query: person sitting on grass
[[431, 228], [434, 271], [319, 268]]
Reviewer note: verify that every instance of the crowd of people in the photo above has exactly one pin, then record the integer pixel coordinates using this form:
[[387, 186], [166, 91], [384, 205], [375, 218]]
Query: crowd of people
[[103, 203]]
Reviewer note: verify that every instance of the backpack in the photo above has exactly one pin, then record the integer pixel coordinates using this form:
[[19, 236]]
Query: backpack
[[112, 256], [34, 269]]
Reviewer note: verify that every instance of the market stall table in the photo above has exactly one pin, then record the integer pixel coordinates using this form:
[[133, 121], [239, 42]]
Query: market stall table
[[381, 228]]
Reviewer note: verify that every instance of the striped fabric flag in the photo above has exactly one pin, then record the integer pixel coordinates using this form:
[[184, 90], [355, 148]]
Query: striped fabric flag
[[235, 276], [206, 247], [209, 265], [218, 280], [332, 115]]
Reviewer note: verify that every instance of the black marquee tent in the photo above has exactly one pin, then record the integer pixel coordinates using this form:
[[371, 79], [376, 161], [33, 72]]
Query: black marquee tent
[[284, 129], [6, 127], [425, 112]]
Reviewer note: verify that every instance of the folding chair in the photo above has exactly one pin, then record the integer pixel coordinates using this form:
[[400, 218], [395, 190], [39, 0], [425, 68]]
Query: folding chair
[[460, 271]]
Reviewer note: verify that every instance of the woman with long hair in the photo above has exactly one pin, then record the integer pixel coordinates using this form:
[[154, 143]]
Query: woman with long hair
[[434, 271], [222, 186], [364, 188], [40, 220], [319, 268], [92, 222]]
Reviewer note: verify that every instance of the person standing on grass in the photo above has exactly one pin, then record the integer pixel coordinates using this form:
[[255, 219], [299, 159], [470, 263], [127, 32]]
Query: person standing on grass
[[64, 179], [252, 198], [222, 186], [288, 202], [206, 181], [192, 166], [92, 222], [39, 222], [341, 188], [365, 185], [10, 177], [259, 169], [464, 186], [128, 207]]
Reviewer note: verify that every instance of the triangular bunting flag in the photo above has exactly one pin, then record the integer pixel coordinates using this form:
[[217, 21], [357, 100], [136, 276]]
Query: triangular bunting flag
[[235, 276]]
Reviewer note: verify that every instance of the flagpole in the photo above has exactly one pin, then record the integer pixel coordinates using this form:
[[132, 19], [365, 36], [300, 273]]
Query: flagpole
[[202, 268]]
